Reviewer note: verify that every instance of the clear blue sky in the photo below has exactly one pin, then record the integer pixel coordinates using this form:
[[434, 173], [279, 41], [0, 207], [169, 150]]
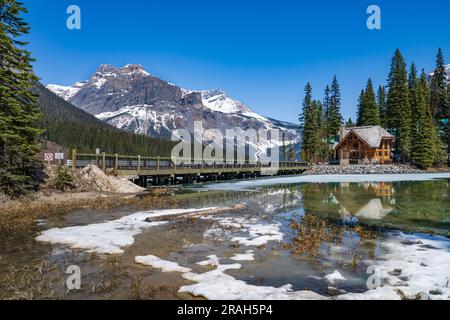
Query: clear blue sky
[[260, 52]]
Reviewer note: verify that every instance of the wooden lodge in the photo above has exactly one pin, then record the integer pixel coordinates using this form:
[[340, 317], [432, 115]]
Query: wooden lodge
[[364, 145]]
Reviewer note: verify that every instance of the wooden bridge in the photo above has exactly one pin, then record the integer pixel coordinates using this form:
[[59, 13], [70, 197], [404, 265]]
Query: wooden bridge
[[161, 170]]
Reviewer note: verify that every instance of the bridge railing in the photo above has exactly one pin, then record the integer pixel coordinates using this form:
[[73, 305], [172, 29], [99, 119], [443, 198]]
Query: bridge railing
[[116, 162]]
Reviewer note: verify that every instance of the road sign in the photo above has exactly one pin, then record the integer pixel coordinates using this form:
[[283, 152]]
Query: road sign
[[48, 157], [59, 156], [97, 151]]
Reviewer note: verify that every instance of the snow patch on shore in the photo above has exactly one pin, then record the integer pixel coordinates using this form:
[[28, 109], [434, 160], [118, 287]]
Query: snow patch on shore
[[258, 233], [157, 263], [109, 237], [334, 277], [217, 285], [212, 261], [249, 255], [415, 267]]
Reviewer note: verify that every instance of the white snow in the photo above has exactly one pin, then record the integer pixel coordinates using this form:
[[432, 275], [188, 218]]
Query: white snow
[[144, 115], [109, 237], [217, 285], [249, 184], [212, 261], [217, 100], [157, 263], [258, 233], [419, 268], [422, 267], [334, 277], [249, 255], [66, 92]]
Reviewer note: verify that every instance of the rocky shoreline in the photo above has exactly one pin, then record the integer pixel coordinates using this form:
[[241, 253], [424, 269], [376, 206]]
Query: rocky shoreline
[[363, 169]]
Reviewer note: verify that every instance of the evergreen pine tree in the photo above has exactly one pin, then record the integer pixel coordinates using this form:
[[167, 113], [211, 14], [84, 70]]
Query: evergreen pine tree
[[413, 83], [322, 144], [412, 77], [283, 137], [326, 108], [440, 104], [307, 126], [381, 102], [438, 95], [425, 144], [368, 110], [306, 105], [359, 112], [20, 170], [398, 107], [291, 151], [349, 123], [334, 119]]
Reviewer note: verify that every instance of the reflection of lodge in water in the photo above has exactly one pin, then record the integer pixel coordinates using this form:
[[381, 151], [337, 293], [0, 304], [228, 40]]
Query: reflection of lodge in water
[[375, 202]]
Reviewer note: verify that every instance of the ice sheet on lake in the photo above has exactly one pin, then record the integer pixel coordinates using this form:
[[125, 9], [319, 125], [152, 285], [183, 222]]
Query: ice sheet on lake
[[164, 265], [250, 184], [109, 237]]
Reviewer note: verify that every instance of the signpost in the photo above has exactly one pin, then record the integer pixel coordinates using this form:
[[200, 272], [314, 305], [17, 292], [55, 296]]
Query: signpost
[[48, 157], [59, 156]]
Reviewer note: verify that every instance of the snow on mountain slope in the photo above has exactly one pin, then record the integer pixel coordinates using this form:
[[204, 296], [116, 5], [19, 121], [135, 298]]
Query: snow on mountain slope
[[133, 100], [66, 92]]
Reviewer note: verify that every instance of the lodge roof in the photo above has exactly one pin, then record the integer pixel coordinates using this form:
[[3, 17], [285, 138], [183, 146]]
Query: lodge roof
[[371, 135]]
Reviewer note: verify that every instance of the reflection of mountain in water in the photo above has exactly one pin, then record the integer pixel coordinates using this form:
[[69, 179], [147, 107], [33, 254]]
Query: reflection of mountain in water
[[373, 210], [415, 205]]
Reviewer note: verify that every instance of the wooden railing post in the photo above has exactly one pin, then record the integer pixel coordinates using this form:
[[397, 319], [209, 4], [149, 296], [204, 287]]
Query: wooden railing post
[[116, 163], [104, 162], [139, 164], [74, 158], [157, 165]]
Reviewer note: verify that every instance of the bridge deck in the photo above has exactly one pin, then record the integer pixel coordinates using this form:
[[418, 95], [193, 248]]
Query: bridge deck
[[170, 167]]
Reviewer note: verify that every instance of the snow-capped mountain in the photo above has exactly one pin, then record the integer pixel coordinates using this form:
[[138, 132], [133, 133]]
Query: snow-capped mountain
[[133, 100]]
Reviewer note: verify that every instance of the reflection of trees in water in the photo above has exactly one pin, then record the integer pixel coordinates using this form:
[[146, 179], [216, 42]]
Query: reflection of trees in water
[[422, 204], [317, 240], [414, 205]]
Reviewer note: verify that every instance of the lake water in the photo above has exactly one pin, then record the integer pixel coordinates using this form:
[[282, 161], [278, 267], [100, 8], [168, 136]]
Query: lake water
[[306, 237]]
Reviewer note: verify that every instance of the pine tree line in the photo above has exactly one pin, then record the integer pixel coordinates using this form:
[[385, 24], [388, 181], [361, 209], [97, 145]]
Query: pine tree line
[[368, 113], [20, 170], [415, 110], [320, 122]]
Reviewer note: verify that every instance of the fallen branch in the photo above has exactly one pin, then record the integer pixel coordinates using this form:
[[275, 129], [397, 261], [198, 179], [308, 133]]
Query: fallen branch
[[196, 214]]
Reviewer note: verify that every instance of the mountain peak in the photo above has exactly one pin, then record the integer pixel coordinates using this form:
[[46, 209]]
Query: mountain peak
[[108, 70]]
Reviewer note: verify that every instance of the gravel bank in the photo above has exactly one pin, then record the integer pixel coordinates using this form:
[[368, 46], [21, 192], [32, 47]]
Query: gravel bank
[[362, 169]]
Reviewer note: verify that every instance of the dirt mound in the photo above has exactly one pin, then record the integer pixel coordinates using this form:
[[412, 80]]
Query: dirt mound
[[92, 178]]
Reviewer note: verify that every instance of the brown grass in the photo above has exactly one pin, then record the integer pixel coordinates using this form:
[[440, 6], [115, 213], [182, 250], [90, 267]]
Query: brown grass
[[19, 216]]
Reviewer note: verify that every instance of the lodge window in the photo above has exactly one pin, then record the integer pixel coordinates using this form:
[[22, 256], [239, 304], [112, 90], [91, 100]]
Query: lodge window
[[380, 153], [386, 153]]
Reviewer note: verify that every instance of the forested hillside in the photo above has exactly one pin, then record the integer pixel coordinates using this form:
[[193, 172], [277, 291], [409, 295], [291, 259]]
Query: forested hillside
[[74, 128]]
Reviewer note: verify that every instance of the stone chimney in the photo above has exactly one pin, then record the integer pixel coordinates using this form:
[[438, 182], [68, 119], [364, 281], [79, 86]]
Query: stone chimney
[[341, 133]]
